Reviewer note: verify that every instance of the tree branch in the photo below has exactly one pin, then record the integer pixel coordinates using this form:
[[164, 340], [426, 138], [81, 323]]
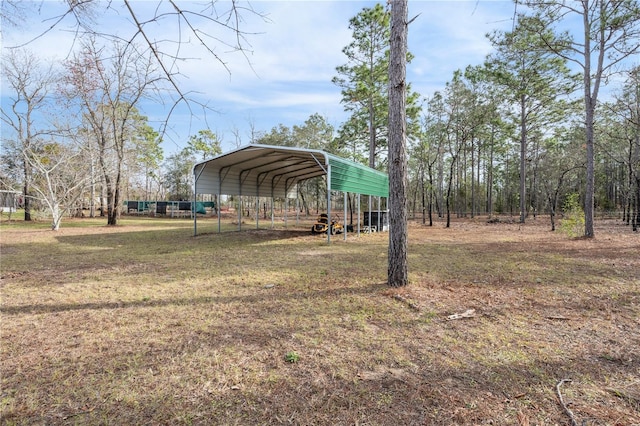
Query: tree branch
[[566, 409]]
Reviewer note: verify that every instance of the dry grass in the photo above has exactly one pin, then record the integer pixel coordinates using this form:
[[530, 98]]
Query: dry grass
[[145, 324]]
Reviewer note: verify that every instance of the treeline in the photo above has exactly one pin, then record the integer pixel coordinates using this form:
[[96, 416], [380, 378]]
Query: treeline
[[539, 123], [519, 134]]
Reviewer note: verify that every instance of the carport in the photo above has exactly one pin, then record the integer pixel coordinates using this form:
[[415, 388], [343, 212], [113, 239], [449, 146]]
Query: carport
[[275, 171]]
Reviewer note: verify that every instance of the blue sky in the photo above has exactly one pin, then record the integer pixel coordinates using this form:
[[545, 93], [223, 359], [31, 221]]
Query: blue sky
[[291, 58]]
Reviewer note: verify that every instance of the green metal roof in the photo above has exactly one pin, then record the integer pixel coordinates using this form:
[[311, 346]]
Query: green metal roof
[[266, 170], [348, 176]]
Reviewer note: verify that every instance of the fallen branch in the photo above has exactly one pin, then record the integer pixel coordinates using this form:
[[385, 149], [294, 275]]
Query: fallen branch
[[469, 313], [406, 301], [566, 409], [558, 317]]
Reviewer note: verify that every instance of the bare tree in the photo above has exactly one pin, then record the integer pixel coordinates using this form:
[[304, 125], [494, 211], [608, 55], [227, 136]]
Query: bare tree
[[30, 82], [12, 12], [59, 177], [398, 273], [106, 86], [212, 26]]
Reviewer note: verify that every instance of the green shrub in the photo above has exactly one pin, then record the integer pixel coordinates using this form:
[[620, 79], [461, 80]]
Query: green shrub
[[292, 357], [572, 223]]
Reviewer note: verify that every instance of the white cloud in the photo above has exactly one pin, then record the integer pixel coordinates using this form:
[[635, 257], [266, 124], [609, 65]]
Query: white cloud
[[302, 41]]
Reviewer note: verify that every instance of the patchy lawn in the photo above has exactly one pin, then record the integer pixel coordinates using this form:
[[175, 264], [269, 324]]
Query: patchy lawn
[[145, 324]]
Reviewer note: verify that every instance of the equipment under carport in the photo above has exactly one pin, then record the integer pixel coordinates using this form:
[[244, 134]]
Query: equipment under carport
[[322, 225], [373, 223]]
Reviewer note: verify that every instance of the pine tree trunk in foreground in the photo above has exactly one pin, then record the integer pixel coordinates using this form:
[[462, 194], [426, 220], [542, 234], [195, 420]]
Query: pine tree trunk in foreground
[[398, 274]]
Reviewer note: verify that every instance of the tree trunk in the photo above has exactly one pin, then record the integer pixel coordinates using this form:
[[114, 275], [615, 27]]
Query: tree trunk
[[431, 196], [27, 203], [110, 207], [440, 194], [92, 191], [372, 136], [398, 274], [26, 191], [448, 196], [423, 196], [304, 205], [102, 198], [590, 184], [636, 214], [523, 161], [57, 216], [473, 181], [490, 177], [115, 213], [589, 104], [477, 205]]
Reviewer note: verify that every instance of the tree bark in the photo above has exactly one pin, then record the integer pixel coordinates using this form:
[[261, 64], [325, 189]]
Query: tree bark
[[490, 176], [589, 104], [372, 134], [27, 202], [398, 274], [590, 184], [523, 160]]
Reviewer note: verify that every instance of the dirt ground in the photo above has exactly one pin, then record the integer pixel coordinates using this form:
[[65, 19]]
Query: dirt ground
[[502, 324]]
